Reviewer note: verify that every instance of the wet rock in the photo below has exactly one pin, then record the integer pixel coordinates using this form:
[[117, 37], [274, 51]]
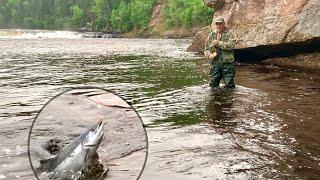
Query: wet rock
[[199, 39], [97, 35], [302, 61], [155, 17], [264, 22], [109, 99], [178, 33], [94, 170]]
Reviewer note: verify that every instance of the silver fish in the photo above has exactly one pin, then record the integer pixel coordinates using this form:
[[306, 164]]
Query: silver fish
[[76, 157]]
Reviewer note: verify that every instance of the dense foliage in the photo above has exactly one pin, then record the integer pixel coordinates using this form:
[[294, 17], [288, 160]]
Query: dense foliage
[[135, 14], [56, 14], [187, 13], [116, 15]]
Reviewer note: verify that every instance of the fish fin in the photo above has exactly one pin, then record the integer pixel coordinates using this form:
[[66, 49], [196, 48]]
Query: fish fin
[[48, 160], [46, 164]]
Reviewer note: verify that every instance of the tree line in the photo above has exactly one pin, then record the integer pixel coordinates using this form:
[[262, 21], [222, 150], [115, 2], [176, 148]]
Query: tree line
[[100, 15]]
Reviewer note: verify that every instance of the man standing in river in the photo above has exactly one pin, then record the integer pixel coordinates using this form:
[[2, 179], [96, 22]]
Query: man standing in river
[[219, 49]]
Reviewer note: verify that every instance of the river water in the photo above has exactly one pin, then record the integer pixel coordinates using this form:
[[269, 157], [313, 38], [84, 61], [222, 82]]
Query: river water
[[268, 127]]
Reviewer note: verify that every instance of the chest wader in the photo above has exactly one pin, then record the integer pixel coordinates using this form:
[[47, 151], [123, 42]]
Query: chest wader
[[223, 66], [222, 70]]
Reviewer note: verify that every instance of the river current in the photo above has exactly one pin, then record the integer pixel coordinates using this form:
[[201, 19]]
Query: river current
[[268, 127]]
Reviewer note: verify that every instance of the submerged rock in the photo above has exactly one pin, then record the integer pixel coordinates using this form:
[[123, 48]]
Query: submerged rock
[[97, 35], [302, 61]]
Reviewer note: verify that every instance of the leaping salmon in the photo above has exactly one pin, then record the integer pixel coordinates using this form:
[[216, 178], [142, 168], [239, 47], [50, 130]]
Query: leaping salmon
[[76, 159]]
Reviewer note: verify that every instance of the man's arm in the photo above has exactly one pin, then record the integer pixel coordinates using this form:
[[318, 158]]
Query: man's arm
[[209, 50], [230, 44]]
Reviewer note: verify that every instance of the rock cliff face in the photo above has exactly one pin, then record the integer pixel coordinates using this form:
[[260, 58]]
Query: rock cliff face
[[266, 22]]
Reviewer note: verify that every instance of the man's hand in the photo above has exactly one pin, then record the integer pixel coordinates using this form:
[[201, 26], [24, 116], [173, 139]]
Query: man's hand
[[212, 55]]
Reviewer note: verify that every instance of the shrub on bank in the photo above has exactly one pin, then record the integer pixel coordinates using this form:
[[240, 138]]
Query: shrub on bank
[[120, 18], [135, 14], [77, 16], [118, 15], [187, 13]]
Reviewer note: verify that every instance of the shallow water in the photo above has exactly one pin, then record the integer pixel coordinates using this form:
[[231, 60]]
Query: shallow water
[[268, 127]]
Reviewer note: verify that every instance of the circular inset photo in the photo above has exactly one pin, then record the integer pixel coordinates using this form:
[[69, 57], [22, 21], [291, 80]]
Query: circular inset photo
[[87, 134]]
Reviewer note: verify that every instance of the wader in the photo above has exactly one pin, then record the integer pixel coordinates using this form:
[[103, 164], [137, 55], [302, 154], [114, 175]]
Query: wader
[[225, 71]]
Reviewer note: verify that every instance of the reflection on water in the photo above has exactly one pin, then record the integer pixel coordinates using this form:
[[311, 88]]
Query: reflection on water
[[268, 126], [219, 105]]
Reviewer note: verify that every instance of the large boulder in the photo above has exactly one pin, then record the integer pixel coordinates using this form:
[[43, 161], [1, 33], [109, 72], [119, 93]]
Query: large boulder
[[199, 39], [267, 22]]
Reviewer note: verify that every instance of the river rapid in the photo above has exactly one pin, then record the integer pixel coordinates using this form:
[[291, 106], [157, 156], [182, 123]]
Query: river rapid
[[268, 127]]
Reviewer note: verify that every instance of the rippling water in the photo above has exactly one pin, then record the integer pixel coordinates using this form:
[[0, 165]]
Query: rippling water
[[268, 127]]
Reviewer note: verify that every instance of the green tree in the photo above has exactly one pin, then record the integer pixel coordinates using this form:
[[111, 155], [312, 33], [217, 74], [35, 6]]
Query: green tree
[[187, 13], [77, 16], [120, 18], [2, 20], [141, 11], [15, 12], [102, 11], [31, 22], [119, 15], [62, 13], [135, 14]]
